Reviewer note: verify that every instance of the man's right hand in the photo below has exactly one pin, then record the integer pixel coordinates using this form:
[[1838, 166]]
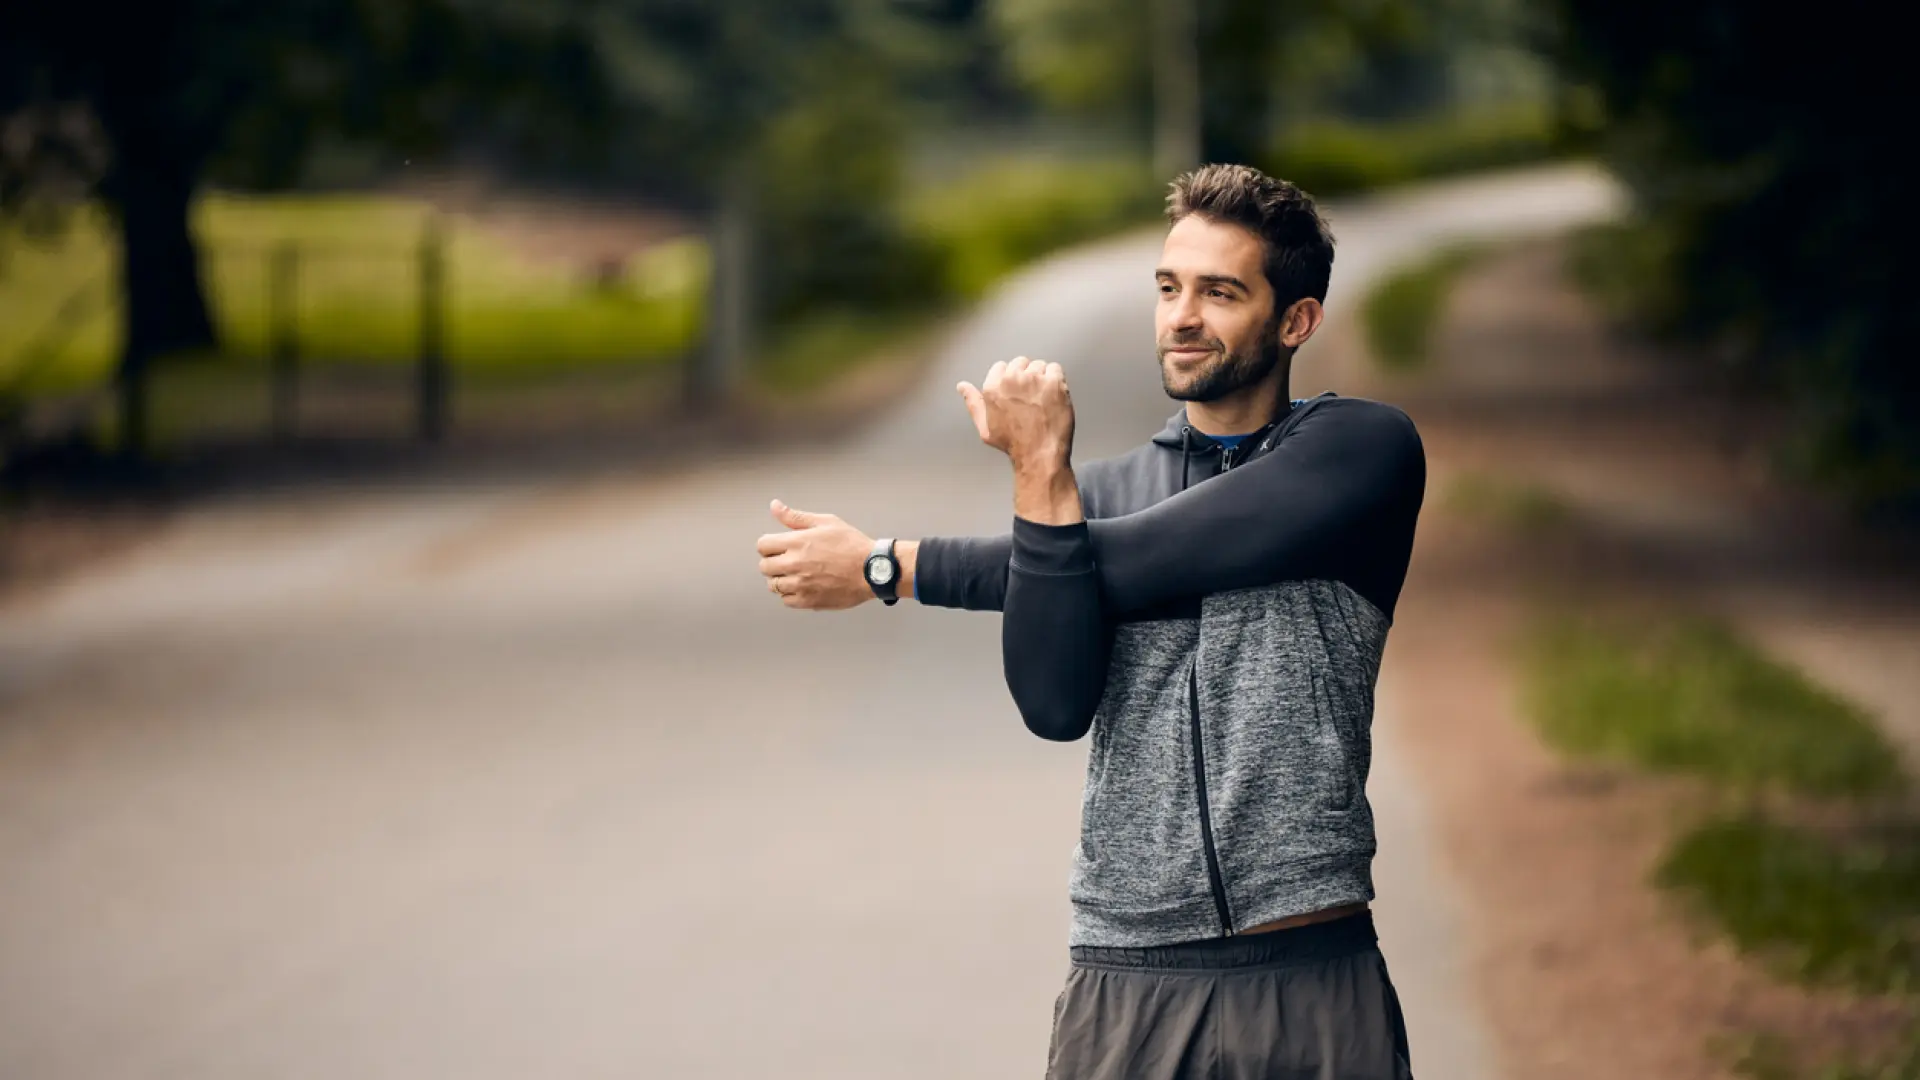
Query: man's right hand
[[820, 564]]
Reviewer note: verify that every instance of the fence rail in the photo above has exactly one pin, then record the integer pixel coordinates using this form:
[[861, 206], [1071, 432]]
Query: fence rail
[[324, 335]]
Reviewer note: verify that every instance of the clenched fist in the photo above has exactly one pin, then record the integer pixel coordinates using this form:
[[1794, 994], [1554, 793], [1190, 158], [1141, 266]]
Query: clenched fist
[[1025, 412]]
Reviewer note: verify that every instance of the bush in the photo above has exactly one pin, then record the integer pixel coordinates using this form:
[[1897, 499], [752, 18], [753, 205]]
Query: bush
[[1010, 213], [1339, 157], [829, 237], [1401, 310]]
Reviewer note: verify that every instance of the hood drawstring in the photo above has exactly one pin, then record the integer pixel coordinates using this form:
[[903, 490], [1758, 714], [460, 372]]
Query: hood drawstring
[[1186, 434]]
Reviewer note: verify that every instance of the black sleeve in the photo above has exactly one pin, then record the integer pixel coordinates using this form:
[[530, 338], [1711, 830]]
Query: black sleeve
[[1337, 497], [966, 572], [1053, 640]]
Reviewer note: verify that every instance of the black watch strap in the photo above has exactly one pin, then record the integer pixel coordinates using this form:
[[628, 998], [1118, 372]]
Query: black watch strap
[[889, 590]]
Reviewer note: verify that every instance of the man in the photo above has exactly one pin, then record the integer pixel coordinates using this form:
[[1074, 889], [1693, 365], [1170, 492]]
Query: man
[[1212, 606]]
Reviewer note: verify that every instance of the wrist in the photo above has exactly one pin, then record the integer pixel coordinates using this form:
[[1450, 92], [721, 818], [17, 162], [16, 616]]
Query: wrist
[[907, 552], [1047, 494], [1043, 462]]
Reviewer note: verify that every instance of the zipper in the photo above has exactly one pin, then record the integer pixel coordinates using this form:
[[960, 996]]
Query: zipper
[[1206, 819]]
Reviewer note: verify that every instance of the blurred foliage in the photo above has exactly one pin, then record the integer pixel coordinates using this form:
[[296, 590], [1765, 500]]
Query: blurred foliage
[[830, 234], [1007, 213], [1400, 310], [1810, 859], [1755, 142], [1624, 268], [357, 293], [1692, 696], [1508, 502], [1770, 1057], [357, 274], [1269, 67], [676, 99], [1338, 157], [795, 117], [1820, 905], [816, 351]]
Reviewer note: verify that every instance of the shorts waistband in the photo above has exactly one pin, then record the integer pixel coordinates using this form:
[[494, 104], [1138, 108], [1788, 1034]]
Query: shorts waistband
[[1335, 938]]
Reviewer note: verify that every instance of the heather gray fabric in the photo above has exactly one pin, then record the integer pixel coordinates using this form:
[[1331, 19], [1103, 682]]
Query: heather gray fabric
[[1216, 626], [1285, 677], [1315, 1004]]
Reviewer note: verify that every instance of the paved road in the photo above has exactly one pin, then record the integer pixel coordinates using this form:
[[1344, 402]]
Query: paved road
[[536, 780]]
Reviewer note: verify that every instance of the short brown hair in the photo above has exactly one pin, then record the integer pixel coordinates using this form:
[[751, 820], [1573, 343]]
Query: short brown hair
[[1299, 245]]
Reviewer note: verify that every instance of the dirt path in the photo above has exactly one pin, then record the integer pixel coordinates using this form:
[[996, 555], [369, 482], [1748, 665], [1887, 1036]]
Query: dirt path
[[1587, 972]]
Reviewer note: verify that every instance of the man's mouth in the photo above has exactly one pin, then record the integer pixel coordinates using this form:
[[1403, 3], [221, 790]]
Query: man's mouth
[[1187, 352]]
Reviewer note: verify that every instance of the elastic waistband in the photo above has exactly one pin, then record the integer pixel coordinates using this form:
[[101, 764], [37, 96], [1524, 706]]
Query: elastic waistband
[[1335, 938]]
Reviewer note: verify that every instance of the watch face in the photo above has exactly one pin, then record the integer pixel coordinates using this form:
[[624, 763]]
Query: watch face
[[879, 570]]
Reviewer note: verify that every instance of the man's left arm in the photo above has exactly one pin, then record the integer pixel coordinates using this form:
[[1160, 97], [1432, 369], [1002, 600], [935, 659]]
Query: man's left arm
[[1336, 498]]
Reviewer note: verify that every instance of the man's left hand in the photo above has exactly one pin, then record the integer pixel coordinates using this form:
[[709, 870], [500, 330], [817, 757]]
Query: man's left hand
[[1025, 412], [819, 565]]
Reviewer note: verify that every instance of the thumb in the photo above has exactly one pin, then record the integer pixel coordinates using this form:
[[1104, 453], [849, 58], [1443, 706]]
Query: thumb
[[793, 519], [976, 407]]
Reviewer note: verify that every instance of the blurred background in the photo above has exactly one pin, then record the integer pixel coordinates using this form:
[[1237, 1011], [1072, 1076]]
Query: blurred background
[[390, 397]]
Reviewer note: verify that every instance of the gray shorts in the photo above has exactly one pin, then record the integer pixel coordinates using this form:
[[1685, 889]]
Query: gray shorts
[[1311, 1002]]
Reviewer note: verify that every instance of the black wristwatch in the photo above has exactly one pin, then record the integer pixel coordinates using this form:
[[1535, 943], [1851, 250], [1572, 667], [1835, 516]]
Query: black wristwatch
[[883, 572]]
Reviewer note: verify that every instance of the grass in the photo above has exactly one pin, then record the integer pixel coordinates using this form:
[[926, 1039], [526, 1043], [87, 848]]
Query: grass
[[1769, 1057], [357, 280], [1401, 310], [356, 293], [816, 352], [1520, 505], [1809, 883], [1691, 696], [1826, 906]]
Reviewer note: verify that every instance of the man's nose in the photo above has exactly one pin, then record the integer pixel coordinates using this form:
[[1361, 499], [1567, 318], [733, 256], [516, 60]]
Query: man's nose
[[1186, 314]]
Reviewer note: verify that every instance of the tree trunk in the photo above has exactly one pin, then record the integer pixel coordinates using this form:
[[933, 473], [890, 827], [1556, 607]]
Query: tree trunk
[[1176, 88], [718, 366], [164, 306], [1238, 39]]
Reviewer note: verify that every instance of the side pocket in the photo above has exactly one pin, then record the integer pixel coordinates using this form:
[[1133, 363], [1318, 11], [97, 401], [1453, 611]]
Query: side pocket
[[1339, 781]]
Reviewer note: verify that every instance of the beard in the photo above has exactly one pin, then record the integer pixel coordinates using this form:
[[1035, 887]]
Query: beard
[[1227, 372]]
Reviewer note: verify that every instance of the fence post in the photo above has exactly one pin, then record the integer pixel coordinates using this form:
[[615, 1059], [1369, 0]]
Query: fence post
[[433, 360], [284, 335]]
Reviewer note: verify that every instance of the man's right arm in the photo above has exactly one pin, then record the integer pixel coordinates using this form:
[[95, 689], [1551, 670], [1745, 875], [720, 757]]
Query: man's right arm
[[965, 572]]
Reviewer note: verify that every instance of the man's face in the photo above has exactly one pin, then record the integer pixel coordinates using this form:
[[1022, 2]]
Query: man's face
[[1215, 324]]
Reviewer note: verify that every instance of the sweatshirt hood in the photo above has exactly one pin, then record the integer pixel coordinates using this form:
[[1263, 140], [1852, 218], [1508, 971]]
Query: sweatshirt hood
[[1177, 427]]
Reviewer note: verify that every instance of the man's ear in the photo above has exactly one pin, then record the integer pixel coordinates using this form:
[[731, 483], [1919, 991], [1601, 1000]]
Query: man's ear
[[1302, 319]]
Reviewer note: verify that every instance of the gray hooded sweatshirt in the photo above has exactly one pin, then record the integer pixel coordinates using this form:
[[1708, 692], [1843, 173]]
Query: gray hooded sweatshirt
[[1217, 624]]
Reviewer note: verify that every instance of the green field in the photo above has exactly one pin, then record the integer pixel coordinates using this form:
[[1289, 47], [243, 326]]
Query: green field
[[356, 293]]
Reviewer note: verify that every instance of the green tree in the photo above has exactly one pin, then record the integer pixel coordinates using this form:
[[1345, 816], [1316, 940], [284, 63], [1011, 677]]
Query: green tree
[[1254, 65], [1776, 191], [164, 96]]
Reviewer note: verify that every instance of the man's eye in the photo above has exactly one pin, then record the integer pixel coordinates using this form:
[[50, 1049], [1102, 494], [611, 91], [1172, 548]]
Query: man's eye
[[1221, 293]]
